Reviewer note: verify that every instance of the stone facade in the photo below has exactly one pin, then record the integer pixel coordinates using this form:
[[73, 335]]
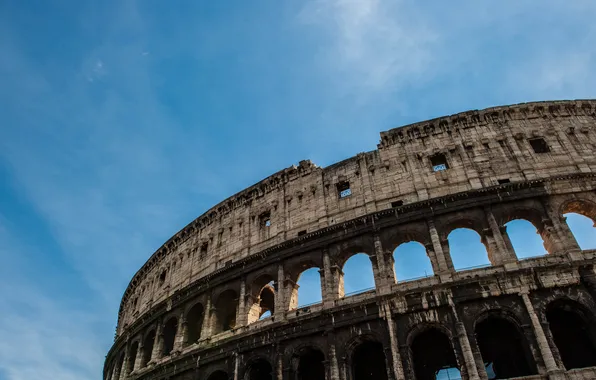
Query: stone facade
[[192, 311]]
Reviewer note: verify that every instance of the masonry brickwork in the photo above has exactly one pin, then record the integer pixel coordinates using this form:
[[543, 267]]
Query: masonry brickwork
[[192, 311]]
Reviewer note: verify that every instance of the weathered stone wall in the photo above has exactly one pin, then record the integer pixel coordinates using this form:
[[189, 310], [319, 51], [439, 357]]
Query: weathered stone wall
[[296, 219]]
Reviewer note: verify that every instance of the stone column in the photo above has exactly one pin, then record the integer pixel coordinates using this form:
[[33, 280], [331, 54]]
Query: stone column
[[157, 343], [333, 365], [562, 239], [280, 303], [398, 369], [206, 328], [241, 312], [329, 291], [279, 366], [545, 351], [442, 257], [139, 357], [180, 333], [291, 289], [464, 343], [236, 365], [505, 255], [384, 282]]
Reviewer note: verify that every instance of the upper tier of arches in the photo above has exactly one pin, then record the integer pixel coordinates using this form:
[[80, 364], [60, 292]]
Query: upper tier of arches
[[413, 164]]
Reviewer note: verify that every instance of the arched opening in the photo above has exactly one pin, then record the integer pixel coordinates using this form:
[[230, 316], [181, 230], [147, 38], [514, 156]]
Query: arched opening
[[263, 303], [132, 357], [308, 289], [368, 362], [573, 333], [259, 370], [218, 375], [169, 335], [525, 239], [466, 249], [148, 348], [583, 229], [119, 366], [311, 365], [411, 262], [357, 275], [225, 311], [433, 356], [503, 349], [194, 323]]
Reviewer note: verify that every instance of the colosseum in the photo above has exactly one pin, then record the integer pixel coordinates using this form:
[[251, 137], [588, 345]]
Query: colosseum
[[219, 300]]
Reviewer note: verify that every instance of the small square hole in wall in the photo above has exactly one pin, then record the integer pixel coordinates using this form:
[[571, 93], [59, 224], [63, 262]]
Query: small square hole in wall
[[398, 203], [303, 232], [265, 219], [343, 189], [439, 162], [162, 277], [539, 145], [204, 247], [504, 181]]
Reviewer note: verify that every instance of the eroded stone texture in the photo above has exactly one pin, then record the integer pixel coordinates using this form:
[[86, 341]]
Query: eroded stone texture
[[193, 310]]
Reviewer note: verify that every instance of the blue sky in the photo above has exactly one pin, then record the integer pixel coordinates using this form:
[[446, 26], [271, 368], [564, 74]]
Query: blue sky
[[121, 121]]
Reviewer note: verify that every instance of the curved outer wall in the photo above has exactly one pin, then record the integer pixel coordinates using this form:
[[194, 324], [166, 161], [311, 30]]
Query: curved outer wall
[[296, 219]]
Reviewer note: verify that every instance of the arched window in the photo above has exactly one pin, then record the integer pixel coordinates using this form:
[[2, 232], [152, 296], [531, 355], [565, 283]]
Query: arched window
[[119, 366], [169, 335], [263, 303], [583, 229], [259, 370], [433, 356], [466, 249], [225, 311], [311, 365], [525, 239], [358, 275], [503, 348], [132, 357], [148, 348], [194, 323], [573, 333], [308, 290], [411, 262], [218, 375], [368, 362]]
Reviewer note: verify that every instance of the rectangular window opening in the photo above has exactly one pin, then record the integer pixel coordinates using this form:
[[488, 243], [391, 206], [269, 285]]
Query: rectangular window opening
[[303, 232], [203, 251], [503, 181], [397, 203], [343, 189], [439, 162], [539, 145], [265, 219]]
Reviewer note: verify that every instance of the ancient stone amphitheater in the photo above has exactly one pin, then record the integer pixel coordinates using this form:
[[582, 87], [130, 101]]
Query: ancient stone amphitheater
[[194, 310]]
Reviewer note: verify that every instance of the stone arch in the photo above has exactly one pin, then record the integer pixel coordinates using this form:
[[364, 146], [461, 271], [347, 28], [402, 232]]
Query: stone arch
[[583, 207], [415, 255], [170, 328], [119, 367], [351, 252], [431, 351], [503, 346], [451, 228], [367, 358], [258, 368], [263, 301], [225, 311], [194, 323], [148, 343], [218, 375], [573, 328], [523, 239], [295, 275], [132, 356], [307, 362]]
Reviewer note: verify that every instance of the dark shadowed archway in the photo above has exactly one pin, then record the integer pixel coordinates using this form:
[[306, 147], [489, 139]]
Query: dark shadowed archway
[[368, 362], [503, 348], [148, 348], [259, 370], [432, 355], [169, 335], [218, 375], [311, 365], [194, 323]]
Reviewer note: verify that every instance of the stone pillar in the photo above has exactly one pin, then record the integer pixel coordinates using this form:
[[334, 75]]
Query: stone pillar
[[385, 279], [179, 341], [138, 357], [279, 366], [241, 312], [280, 302], [333, 365], [432, 256], [329, 291], [563, 240], [545, 351], [398, 369], [442, 257], [464, 343], [291, 289], [206, 329], [236, 365], [505, 255], [157, 343]]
